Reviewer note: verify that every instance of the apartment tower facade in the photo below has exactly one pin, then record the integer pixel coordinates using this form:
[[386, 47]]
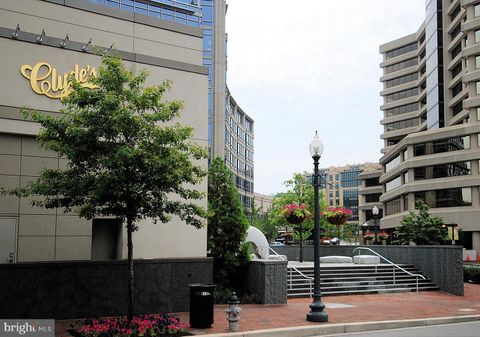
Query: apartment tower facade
[[431, 119]]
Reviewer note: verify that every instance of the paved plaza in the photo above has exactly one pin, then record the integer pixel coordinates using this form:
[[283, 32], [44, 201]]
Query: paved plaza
[[344, 309]]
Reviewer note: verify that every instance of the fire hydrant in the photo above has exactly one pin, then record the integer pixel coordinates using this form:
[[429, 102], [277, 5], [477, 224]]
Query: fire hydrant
[[233, 312]]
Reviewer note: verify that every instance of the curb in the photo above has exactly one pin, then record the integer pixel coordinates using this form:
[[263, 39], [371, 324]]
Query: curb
[[339, 328]]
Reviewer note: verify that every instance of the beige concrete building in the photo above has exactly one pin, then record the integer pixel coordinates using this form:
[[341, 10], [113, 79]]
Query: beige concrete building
[[340, 185], [369, 193], [263, 202], [432, 119], [168, 50]]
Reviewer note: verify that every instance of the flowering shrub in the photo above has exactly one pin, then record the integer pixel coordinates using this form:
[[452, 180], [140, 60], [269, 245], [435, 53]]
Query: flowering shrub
[[337, 212], [299, 210], [147, 325]]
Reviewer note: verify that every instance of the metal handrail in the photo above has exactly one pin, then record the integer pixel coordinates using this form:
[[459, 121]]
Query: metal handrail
[[298, 271], [393, 264]]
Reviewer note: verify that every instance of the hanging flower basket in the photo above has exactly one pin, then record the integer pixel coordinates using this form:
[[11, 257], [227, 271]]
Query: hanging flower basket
[[295, 213], [337, 216], [293, 219]]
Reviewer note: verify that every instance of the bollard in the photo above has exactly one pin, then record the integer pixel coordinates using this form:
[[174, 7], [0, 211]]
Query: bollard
[[233, 312]]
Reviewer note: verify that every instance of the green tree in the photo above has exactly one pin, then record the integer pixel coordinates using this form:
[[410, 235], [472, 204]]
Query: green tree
[[263, 222], [123, 160], [227, 227], [421, 228]]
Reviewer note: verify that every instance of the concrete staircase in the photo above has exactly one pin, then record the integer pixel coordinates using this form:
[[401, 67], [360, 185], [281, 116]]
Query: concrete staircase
[[356, 279]]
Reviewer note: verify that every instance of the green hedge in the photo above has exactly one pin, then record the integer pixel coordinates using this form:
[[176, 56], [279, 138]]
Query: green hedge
[[471, 274]]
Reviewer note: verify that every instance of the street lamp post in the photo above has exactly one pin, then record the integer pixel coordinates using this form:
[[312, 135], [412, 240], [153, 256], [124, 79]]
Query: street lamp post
[[317, 308], [375, 212]]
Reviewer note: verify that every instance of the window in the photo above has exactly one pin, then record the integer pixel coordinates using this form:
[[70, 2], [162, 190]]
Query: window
[[478, 114], [370, 182], [477, 36], [405, 202], [408, 123], [442, 145], [442, 170], [401, 65], [401, 50], [405, 154], [401, 80], [477, 10], [401, 109], [393, 184], [392, 206], [477, 87], [477, 62], [402, 94], [372, 197], [457, 108], [392, 164], [450, 197]]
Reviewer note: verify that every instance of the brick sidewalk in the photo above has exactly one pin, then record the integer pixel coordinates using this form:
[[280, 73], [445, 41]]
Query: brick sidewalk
[[365, 308]]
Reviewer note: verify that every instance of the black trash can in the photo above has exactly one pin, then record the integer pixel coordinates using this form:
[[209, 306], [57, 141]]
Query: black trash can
[[201, 305]]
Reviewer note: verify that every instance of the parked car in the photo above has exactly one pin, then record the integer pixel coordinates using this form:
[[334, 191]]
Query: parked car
[[276, 244]]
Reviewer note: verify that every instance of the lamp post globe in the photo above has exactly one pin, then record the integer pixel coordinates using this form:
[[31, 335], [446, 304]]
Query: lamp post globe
[[375, 212], [317, 308]]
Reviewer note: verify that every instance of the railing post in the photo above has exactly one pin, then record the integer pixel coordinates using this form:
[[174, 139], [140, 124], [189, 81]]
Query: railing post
[[417, 283], [394, 281], [291, 279]]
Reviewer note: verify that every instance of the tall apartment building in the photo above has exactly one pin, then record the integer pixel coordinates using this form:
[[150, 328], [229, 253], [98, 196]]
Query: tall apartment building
[[230, 128], [340, 185], [431, 119]]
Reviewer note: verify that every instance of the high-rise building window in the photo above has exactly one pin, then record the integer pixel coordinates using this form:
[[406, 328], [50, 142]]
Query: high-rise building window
[[477, 36], [477, 10], [477, 86], [393, 184], [477, 62], [392, 206], [450, 197], [441, 145], [442, 170], [478, 114], [393, 163]]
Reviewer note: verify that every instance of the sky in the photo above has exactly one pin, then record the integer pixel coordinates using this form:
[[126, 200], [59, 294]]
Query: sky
[[305, 65]]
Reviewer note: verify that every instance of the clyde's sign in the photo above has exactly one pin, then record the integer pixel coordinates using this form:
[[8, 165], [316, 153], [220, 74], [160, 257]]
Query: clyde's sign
[[45, 80]]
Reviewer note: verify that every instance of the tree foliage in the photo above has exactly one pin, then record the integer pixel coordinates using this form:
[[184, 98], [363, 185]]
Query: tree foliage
[[263, 222], [227, 227], [123, 160], [421, 228], [300, 191]]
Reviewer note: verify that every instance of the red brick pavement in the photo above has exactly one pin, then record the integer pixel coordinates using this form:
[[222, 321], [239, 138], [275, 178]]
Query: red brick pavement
[[378, 307]]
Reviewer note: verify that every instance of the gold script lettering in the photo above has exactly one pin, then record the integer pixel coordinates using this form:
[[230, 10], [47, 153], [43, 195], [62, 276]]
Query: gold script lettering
[[44, 79]]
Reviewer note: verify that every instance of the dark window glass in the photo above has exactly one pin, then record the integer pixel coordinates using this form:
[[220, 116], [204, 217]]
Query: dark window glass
[[442, 170], [450, 197], [402, 94], [457, 89], [372, 182], [401, 65], [401, 109], [401, 80], [457, 108], [456, 50], [401, 50], [372, 197], [442, 145], [455, 12], [408, 123]]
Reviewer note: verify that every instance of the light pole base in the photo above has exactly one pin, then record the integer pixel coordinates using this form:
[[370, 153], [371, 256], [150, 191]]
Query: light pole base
[[317, 312]]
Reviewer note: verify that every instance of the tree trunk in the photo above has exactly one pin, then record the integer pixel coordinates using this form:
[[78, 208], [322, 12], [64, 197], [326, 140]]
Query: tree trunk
[[130, 276]]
